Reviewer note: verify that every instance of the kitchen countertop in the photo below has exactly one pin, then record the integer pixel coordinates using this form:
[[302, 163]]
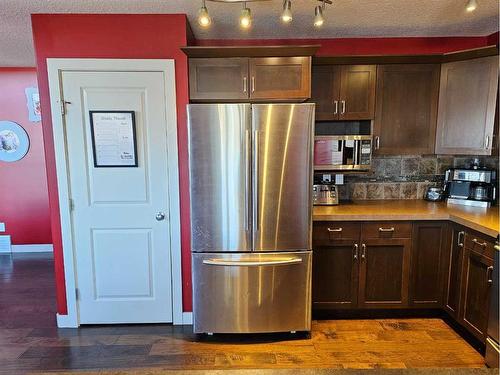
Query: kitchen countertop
[[484, 220]]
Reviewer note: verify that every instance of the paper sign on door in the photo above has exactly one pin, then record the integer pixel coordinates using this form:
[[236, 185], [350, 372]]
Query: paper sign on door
[[114, 141]]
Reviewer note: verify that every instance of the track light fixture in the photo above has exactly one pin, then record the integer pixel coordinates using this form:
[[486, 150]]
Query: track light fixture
[[245, 17], [471, 6], [204, 19], [286, 15], [318, 15]]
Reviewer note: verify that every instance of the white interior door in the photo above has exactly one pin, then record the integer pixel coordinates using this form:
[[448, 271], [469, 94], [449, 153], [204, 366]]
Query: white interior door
[[122, 250]]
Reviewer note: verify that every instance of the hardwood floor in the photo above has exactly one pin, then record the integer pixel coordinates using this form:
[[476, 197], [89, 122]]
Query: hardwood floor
[[30, 341]]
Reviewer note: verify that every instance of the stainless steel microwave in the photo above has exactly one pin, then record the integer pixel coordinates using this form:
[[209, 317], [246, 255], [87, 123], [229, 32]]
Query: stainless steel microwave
[[342, 152]]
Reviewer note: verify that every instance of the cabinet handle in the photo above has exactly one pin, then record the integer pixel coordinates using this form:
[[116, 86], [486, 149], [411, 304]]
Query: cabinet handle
[[460, 238], [482, 244], [363, 251], [377, 142], [487, 142], [336, 104], [489, 273], [386, 229], [253, 84], [343, 107], [337, 230], [245, 84], [356, 250]]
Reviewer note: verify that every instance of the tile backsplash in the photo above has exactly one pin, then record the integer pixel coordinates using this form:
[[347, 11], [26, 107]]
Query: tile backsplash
[[404, 177]]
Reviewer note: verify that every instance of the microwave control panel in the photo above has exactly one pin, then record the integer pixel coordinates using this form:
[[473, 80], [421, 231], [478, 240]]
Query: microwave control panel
[[366, 152]]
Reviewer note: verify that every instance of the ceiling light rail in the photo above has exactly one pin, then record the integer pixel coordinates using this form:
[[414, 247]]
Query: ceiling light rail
[[245, 20]]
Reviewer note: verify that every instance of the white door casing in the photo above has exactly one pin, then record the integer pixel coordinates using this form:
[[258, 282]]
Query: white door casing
[[125, 263]]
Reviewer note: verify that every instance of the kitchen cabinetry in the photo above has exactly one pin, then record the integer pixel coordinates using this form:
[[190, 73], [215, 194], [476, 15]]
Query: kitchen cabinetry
[[406, 110], [428, 261], [467, 101], [477, 279], [239, 79], [344, 92], [361, 266]]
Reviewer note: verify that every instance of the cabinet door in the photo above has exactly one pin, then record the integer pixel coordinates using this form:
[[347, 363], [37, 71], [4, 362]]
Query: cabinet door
[[406, 113], [428, 264], [454, 271], [280, 78], [215, 79], [477, 274], [384, 273], [325, 91], [335, 275], [467, 100], [357, 92]]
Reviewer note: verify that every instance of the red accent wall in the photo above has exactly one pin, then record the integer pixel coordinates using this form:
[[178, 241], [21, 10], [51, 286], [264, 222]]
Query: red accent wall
[[160, 36], [130, 36], [24, 204], [367, 46]]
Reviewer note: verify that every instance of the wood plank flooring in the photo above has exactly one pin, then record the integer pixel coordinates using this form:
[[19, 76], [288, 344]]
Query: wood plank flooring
[[30, 341]]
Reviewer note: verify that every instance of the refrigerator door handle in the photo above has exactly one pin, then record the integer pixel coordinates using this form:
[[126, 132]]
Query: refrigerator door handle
[[236, 263], [247, 180], [256, 180]]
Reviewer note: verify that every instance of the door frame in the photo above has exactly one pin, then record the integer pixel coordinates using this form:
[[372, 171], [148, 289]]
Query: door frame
[[55, 67]]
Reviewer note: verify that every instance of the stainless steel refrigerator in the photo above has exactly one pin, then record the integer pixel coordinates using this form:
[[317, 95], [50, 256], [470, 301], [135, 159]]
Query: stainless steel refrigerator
[[251, 216]]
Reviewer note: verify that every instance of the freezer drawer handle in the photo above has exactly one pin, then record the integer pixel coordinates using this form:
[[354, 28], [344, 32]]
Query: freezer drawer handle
[[235, 263]]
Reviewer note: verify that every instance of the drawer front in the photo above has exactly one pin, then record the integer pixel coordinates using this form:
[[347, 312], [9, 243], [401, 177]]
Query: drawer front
[[387, 229], [324, 233], [479, 244]]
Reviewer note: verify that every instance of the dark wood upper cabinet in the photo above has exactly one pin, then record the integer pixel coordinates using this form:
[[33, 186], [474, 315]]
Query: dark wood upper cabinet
[[357, 92], [213, 79], [280, 78], [241, 79], [384, 273], [344, 92], [406, 110], [467, 101], [428, 261]]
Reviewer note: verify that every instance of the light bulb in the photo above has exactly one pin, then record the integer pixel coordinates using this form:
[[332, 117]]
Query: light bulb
[[471, 6], [286, 15], [318, 16], [246, 18], [204, 19]]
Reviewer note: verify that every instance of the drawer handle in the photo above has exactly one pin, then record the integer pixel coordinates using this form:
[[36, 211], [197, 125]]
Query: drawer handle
[[363, 251], [482, 244], [386, 229], [336, 230], [256, 263], [489, 273]]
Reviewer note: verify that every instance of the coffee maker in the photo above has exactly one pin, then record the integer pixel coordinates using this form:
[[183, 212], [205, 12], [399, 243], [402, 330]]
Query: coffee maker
[[473, 186]]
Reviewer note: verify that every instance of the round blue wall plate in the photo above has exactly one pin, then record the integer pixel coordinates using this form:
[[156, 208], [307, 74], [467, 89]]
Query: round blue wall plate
[[14, 141]]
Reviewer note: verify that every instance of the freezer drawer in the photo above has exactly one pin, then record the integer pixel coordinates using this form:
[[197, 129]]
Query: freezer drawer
[[244, 293]]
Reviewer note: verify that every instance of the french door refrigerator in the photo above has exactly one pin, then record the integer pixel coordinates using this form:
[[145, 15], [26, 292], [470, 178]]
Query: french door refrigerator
[[251, 216]]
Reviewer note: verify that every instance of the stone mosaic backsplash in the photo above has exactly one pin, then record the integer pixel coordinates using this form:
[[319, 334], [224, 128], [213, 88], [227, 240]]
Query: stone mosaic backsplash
[[404, 177]]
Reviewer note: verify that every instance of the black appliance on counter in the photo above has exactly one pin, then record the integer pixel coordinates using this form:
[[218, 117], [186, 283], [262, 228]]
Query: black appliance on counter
[[470, 186]]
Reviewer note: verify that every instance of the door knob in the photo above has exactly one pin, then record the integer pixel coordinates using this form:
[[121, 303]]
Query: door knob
[[160, 216]]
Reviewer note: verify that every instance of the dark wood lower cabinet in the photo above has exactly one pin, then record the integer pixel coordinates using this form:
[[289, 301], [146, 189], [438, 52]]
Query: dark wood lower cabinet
[[428, 264], [477, 272], [378, 266], [383, 273], [454, 263], [335, 275]]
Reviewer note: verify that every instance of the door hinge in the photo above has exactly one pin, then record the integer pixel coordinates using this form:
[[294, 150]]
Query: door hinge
[[77, 293], [71, 204]]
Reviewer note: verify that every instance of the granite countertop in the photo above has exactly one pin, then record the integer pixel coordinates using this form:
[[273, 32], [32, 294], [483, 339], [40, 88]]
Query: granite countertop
[[484, 220]]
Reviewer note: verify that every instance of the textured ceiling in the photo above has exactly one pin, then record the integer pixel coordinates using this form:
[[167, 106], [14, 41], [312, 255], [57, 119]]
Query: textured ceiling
[[345, 18]]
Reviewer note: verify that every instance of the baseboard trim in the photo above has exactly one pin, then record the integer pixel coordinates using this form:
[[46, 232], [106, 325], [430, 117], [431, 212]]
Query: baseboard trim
[[187, 318], [38, 248], [66, 321]]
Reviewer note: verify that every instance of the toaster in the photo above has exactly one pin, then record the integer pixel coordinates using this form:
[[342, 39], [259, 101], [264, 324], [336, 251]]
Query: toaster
[[325, 195]]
